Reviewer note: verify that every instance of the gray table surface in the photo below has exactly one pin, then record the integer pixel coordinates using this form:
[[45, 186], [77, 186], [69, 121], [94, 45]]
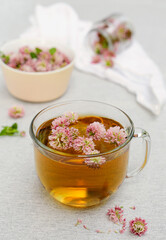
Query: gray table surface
[[26, 210]]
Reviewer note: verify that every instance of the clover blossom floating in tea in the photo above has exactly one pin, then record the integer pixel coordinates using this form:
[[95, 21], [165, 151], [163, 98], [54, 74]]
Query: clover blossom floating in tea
[[82, 159], [82, 135]]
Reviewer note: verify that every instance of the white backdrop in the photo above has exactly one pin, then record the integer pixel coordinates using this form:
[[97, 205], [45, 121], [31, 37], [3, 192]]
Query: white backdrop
[[26, 210]]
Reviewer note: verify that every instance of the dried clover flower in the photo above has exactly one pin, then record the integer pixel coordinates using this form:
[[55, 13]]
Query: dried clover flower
[[65, 120], [36, 60], [138, 226], [96, 59], [60, 122], [72, 117], [62, 138], [79, 221], [116, 216], [94, 161], [83, 144], [22, 133], [96, 130], [16, 111], [115, 135]]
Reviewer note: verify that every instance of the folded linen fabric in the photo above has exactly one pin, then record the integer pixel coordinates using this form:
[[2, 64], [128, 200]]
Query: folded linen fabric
[[133, 69]]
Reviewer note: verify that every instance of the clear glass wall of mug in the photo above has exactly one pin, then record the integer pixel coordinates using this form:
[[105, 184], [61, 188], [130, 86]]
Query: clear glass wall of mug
[[66, 177]]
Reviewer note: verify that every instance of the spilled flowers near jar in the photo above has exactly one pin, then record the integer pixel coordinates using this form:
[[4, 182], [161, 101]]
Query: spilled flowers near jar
[[75, 134], [109, 37]]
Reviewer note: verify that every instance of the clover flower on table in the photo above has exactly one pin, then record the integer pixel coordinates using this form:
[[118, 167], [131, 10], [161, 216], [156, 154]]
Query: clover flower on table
[[116, 214], [138, 226], [16, 111], [62, 138], [115, 135], [123, 229], [79, 221], [22, 133], [96, 130]]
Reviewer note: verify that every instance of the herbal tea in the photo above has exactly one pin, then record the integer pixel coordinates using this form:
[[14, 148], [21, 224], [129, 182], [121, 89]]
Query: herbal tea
[[79, 171]]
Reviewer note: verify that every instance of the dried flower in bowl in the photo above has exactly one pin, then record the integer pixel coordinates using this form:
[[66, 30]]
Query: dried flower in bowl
[[35, 71], [36, 59]]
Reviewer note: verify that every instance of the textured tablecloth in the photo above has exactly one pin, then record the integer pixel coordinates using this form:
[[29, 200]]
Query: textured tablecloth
[[27, 212]]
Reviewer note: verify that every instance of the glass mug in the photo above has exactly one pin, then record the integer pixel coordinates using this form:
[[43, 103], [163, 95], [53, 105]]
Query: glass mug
[[66, 177]]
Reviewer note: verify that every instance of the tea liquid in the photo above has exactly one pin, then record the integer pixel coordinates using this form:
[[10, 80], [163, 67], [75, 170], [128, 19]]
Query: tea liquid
[[69, 179]]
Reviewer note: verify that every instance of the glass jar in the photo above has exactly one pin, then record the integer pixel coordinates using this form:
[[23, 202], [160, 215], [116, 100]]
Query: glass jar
[[114, 33]]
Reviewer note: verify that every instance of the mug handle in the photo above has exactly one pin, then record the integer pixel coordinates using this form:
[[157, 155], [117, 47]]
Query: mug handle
[[141, 133]]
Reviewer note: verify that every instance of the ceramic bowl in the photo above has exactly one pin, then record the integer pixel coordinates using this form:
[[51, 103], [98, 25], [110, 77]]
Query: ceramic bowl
[[36, 86]]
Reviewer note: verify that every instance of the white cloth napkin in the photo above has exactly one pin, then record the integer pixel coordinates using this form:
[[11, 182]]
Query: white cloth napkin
[[133, 69]]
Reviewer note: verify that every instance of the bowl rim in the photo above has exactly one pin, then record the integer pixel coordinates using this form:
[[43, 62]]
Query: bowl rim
[[53, 151], [38, 73]]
